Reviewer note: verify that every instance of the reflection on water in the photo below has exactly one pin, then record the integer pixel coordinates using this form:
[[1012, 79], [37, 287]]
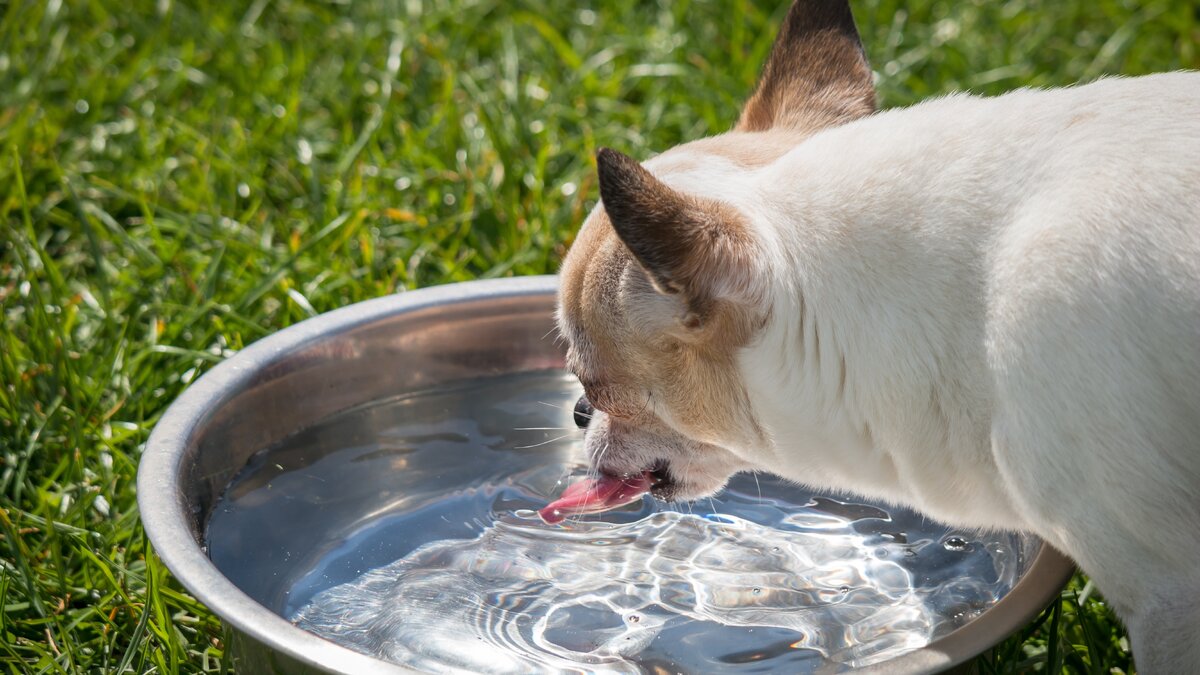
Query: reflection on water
[[406, 530]]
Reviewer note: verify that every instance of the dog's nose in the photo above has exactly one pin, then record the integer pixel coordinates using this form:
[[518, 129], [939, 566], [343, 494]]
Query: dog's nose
[[583, 412]]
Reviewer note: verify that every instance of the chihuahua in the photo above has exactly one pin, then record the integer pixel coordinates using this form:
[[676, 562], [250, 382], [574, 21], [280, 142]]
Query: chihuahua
[[987, 309]]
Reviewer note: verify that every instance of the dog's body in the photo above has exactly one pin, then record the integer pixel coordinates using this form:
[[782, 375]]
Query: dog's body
[[987, 309]]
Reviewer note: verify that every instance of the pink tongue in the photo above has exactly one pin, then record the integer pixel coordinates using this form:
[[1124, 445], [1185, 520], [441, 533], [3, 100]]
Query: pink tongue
[[594, 495]]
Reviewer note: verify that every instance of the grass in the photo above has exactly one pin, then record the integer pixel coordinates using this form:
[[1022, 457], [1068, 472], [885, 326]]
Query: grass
[[178, 180]]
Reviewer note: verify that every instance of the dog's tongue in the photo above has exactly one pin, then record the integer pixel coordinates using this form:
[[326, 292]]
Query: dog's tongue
[[594, 495]]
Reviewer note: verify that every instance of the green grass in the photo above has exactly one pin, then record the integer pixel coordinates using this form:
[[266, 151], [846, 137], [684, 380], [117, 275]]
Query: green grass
[[178, 180]]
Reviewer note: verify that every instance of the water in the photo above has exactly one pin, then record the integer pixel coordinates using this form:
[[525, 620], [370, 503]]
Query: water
[[406, 530]]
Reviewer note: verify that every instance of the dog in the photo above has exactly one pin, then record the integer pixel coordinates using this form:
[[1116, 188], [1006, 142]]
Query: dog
[[986, 309]]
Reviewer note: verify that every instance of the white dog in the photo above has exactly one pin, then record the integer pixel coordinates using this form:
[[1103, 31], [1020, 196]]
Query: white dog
[[984, 308]]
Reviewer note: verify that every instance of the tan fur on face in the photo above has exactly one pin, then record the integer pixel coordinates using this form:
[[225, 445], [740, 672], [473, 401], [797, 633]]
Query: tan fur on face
[[624, 356]]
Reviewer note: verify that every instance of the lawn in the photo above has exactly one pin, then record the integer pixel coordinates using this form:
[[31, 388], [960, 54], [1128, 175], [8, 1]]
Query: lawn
[[178, 180]]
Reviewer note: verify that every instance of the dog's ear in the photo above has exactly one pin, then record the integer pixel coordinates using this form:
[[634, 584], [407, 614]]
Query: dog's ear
[[697, 248], [817, 74]]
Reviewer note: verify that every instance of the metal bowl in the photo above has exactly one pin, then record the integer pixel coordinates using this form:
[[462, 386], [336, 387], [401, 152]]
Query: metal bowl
[[370, 351]]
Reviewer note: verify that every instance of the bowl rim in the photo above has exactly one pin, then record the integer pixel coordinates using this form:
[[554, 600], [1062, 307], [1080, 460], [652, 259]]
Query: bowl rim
[[165, 518]]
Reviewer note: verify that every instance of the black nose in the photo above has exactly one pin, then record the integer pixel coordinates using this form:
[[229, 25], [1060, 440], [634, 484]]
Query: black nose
[[583, 412]]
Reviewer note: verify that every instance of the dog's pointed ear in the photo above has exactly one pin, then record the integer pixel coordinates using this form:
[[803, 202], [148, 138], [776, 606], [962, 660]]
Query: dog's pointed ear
[[698, 248], [817, 74]]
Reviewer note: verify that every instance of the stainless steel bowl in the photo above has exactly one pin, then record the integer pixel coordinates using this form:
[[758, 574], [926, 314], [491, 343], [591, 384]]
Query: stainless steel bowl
[[374, 350]]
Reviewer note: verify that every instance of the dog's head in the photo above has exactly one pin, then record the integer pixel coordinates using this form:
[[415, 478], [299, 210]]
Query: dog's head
[[666, 280]]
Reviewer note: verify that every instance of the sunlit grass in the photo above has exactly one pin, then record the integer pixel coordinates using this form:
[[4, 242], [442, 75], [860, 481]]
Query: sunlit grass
[[178, 180]]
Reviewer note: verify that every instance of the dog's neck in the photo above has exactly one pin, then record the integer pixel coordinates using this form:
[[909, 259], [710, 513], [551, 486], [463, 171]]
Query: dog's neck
[[872, 371]]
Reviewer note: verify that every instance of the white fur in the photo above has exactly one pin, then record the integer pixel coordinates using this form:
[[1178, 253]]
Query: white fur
[[1012, 286]]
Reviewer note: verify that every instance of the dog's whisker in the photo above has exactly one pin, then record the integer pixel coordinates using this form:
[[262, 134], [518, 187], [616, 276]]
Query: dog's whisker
[[538, 445], [595, 465], [683, 478], [561, 407], [647, 403]]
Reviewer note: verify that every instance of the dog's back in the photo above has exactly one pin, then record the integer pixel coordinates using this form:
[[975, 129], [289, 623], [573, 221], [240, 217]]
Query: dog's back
[[1035, 255], [1094, 342]]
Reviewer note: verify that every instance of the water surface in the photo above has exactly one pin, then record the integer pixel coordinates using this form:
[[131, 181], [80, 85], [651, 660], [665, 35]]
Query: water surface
[[405, 530]]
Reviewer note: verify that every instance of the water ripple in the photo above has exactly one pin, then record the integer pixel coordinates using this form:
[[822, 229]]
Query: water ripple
[[596, 596]]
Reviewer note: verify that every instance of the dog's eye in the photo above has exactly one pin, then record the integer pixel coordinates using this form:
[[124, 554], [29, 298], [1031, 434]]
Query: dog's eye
[[583, 412]]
